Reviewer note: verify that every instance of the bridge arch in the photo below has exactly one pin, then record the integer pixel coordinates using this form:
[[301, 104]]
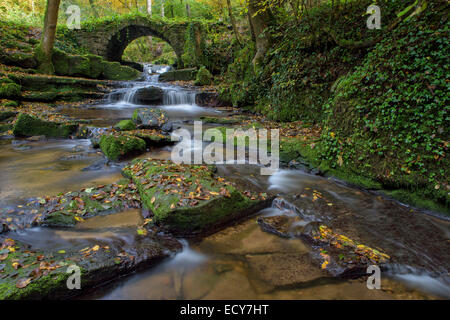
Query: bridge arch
[[109, 38]]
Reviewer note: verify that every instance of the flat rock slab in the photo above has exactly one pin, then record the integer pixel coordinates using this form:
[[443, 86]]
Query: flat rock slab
[[28, 273], [285, 269], [191, 200]]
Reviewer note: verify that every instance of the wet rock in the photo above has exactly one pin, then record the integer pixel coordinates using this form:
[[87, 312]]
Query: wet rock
[[98, 264], [285, 269], [210, 99], [27, 125], [282, 226], [125, 125], [149, 118], [190, 200], [36, 138], [179, 75], [121, 146], [148, 95], [98, 165], [152, 137]]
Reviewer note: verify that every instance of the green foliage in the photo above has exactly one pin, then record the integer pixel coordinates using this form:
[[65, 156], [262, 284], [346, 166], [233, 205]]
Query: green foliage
[[389, 119], [204, 77], [9, 89]]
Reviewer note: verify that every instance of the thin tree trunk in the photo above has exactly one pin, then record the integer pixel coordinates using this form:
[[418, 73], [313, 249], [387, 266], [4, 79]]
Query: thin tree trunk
[[45, 48], [233, 22], [260, 21], [149, 7], [162, 8]]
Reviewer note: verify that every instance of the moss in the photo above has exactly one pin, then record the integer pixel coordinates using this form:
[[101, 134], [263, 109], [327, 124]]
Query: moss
[[125, 125], [179, 75], [27, 125], [9, 89], [117, 147], [115, 71], [5, 115], [5, 127], [11, 103], [187, 199], [204, 77]]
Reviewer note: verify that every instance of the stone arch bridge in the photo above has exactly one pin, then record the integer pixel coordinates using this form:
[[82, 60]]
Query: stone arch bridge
[[109, 38]]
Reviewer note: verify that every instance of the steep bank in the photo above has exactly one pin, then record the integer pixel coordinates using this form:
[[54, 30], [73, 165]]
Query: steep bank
[[379, 96]]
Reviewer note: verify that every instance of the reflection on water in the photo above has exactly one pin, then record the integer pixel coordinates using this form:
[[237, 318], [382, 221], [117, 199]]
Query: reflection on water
[[50, 167], [242, 262]]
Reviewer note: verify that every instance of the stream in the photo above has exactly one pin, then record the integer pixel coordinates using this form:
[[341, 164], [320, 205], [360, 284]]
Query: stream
[[241, 261]]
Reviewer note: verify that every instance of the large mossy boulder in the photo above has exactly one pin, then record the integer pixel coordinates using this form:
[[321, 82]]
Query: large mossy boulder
[[27, 126], [30, 272], [120, 146], [116, 71], [9, 89], [190, 200], [179, 75], [204, 77], [150, 117], [90, 66], [148, 95]]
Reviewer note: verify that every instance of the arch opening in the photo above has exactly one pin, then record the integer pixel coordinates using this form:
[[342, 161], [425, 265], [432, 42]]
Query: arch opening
[[150, 49]]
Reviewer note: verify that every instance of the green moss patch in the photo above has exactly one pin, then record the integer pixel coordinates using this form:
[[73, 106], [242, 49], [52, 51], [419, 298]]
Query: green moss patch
[[188, 199], [117, 146], [125, 125], [27, 126]]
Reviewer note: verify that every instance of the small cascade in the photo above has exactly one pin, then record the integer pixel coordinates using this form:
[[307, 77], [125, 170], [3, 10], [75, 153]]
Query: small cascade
[[175, 97]]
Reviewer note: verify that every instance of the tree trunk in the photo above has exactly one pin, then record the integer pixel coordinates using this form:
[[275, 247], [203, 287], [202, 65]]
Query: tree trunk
[[233, 22], [260, 21], [44, 54], [149, 7], [162, 8]]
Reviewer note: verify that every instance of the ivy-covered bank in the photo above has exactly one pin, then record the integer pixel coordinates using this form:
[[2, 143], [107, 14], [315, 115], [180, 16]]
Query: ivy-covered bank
[[380, 96]]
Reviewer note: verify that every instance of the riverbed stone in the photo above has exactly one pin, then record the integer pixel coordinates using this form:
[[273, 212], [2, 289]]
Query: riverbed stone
[[121, 146], [150, 117], [32, 273], [285, 269], [28, 126], [148, 95], [190, 200]]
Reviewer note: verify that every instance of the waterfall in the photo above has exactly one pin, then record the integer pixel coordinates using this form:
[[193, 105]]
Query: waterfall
[[174, 97]]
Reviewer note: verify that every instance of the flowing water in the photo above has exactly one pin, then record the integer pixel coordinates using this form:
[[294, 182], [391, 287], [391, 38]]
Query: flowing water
[[241, 261]]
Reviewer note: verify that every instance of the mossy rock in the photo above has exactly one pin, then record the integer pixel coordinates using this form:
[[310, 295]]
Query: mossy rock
[[125, 125], [9, 89], [5, 115], [179, 75], [115, 71], [48, 278], [19, 59], [152, 137], [70, 65], [117, 147], [5, 127], [204, 77], [27, 126], [190, 200]]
